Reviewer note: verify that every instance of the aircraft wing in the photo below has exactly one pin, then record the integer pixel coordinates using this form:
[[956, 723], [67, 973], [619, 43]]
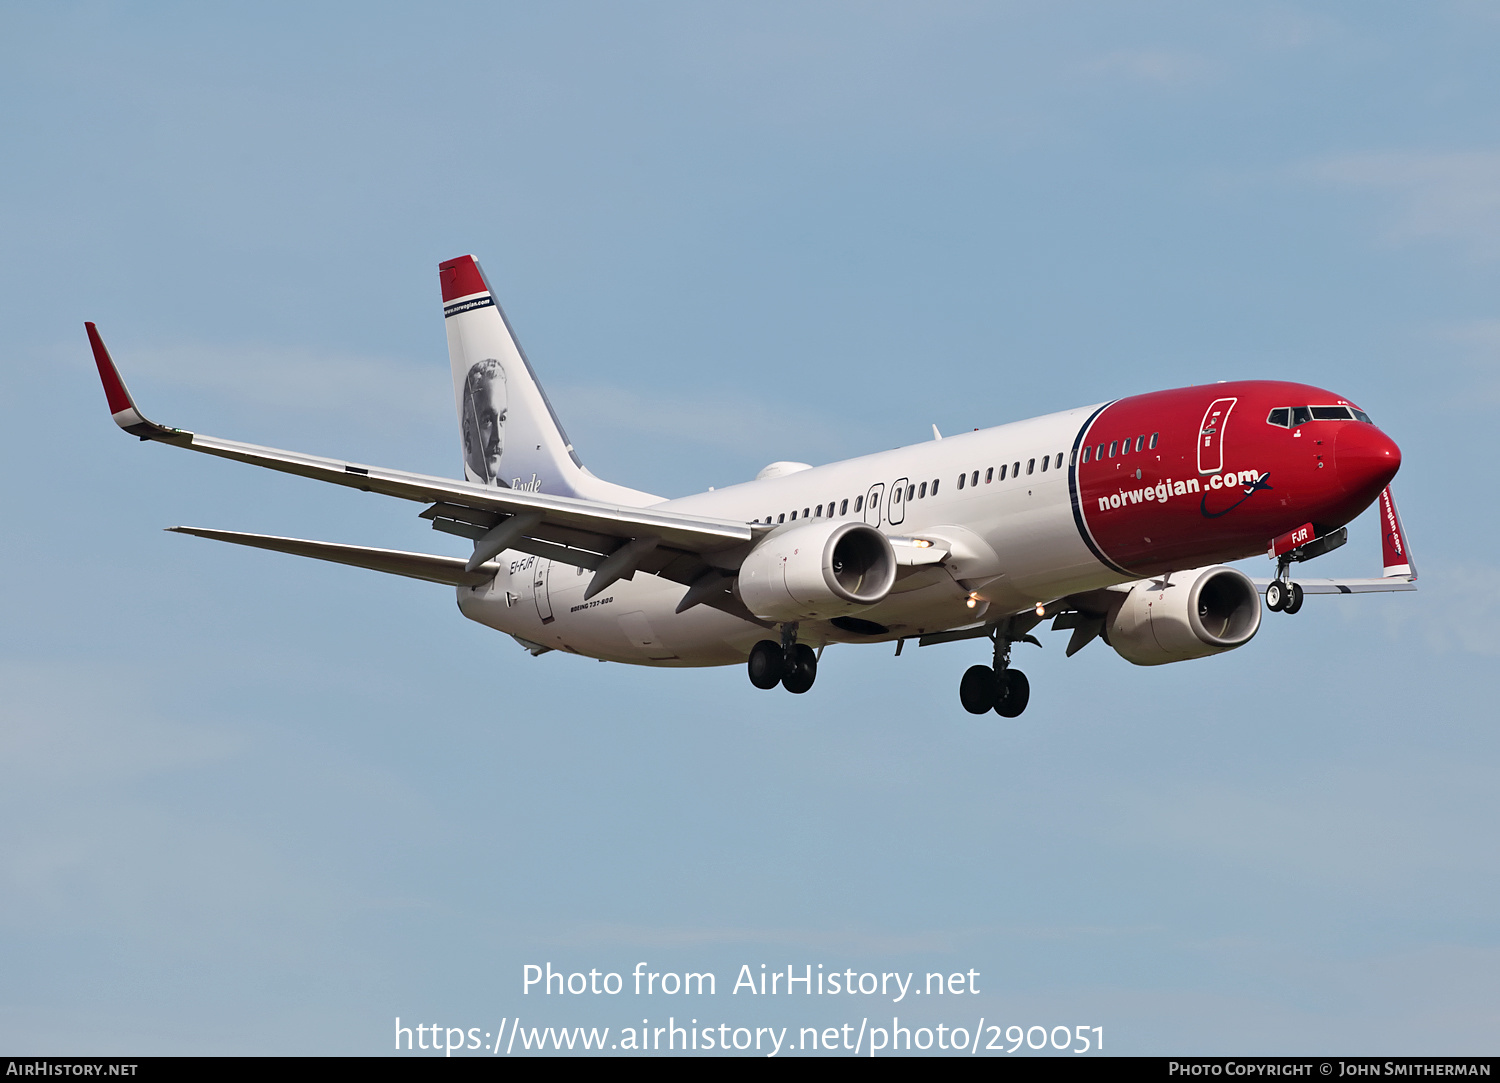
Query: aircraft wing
[[434, 569], [1345, 586], [613, 541]]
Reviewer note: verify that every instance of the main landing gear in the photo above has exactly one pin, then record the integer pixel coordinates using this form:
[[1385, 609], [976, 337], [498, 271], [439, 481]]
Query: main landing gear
[[995, 688], [790, 664], [1282, 595]]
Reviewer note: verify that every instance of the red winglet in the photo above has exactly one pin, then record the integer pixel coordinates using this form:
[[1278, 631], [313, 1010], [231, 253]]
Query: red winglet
[[460, 278], [121, 405], [114, 387], [1395, 552]]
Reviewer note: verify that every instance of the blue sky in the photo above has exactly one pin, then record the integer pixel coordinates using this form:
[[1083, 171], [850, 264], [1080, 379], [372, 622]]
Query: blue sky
[[256, 804]]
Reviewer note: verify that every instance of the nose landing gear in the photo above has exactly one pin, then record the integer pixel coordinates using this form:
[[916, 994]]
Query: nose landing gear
[[790, 664], [997, 688]]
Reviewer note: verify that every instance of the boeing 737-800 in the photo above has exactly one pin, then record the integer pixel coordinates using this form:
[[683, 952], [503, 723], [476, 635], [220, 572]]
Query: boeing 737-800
[[1114, 520]]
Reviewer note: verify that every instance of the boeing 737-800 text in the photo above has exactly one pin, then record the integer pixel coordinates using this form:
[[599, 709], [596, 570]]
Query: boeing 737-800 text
[[1113, 520]]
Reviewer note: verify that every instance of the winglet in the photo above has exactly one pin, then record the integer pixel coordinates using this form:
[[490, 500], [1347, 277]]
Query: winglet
[[1393, 546], [121, 405]]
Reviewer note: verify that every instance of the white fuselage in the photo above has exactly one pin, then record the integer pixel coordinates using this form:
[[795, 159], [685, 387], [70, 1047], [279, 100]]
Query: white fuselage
[[1013, 543]]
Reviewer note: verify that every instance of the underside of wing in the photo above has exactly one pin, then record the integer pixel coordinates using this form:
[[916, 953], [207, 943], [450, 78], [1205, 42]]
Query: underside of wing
[[433, 569], [1346, 586]]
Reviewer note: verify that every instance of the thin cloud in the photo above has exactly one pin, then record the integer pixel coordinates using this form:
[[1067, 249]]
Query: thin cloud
[[1461, 613], [1452, 196], [285, 378], [741, 424], [1161, 67]]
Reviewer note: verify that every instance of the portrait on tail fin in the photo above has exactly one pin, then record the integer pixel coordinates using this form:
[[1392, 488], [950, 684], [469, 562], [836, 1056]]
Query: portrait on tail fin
[[484, 421]]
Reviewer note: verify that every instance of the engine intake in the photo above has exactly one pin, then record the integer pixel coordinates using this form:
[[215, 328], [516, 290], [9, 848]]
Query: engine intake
[[1187, 614], [816, 571]]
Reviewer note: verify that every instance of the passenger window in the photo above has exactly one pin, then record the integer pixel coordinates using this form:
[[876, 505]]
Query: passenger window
[[911, 491], [1045, 460], [1301, 415], [896, 496], [922, 491], [989, 475], [781, 518], [961, 481], [934, 487], [975, 479], [794, 515], [818, 512], [1140, 443], [1015, 470], [1099, 453], [1030, 466], [1058, 463], [1153, 440], [843, 507], [859, 502], [804, 514], [1002, 473], [1112, 445]]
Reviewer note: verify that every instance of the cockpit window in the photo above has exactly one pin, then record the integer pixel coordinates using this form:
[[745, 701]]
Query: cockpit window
[[1291, 416]]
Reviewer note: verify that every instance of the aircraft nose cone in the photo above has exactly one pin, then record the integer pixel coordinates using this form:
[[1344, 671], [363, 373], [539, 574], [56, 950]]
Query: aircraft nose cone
[[1365, 458]]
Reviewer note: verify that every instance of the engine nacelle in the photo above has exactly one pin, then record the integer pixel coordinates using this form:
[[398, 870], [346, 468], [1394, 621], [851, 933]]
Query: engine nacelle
[[1188, 614], [817, 570]]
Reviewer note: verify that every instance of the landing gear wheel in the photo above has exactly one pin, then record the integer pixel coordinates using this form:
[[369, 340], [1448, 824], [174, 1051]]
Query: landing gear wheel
[[978, 689], [1294, 603], [803, 670], [1276, 596], [1015, 693], [766, 664]]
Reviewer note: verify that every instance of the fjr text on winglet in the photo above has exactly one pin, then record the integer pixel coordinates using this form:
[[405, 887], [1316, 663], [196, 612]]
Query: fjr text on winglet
[[1113, 520]]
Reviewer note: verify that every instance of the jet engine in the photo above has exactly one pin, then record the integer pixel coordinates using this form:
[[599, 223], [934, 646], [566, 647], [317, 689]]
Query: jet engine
[[1181, 615], [817, 570]]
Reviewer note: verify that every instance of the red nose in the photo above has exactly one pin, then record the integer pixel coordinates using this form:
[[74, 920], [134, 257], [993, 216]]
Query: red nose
[[1364, 458]]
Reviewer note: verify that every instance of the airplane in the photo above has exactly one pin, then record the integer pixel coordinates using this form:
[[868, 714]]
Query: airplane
[[1114, 520]]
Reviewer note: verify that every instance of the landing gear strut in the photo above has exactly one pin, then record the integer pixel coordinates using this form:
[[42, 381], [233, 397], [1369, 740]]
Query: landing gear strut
[[1283, 596], [997, 688], [790, 664]]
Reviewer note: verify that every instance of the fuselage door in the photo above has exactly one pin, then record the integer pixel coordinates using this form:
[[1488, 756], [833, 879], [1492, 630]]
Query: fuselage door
[[872, 503], [1211, 436], [539, 588], [896, 512]]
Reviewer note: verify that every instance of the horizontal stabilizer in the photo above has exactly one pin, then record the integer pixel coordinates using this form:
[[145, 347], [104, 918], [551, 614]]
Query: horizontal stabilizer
[[434, 569]]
